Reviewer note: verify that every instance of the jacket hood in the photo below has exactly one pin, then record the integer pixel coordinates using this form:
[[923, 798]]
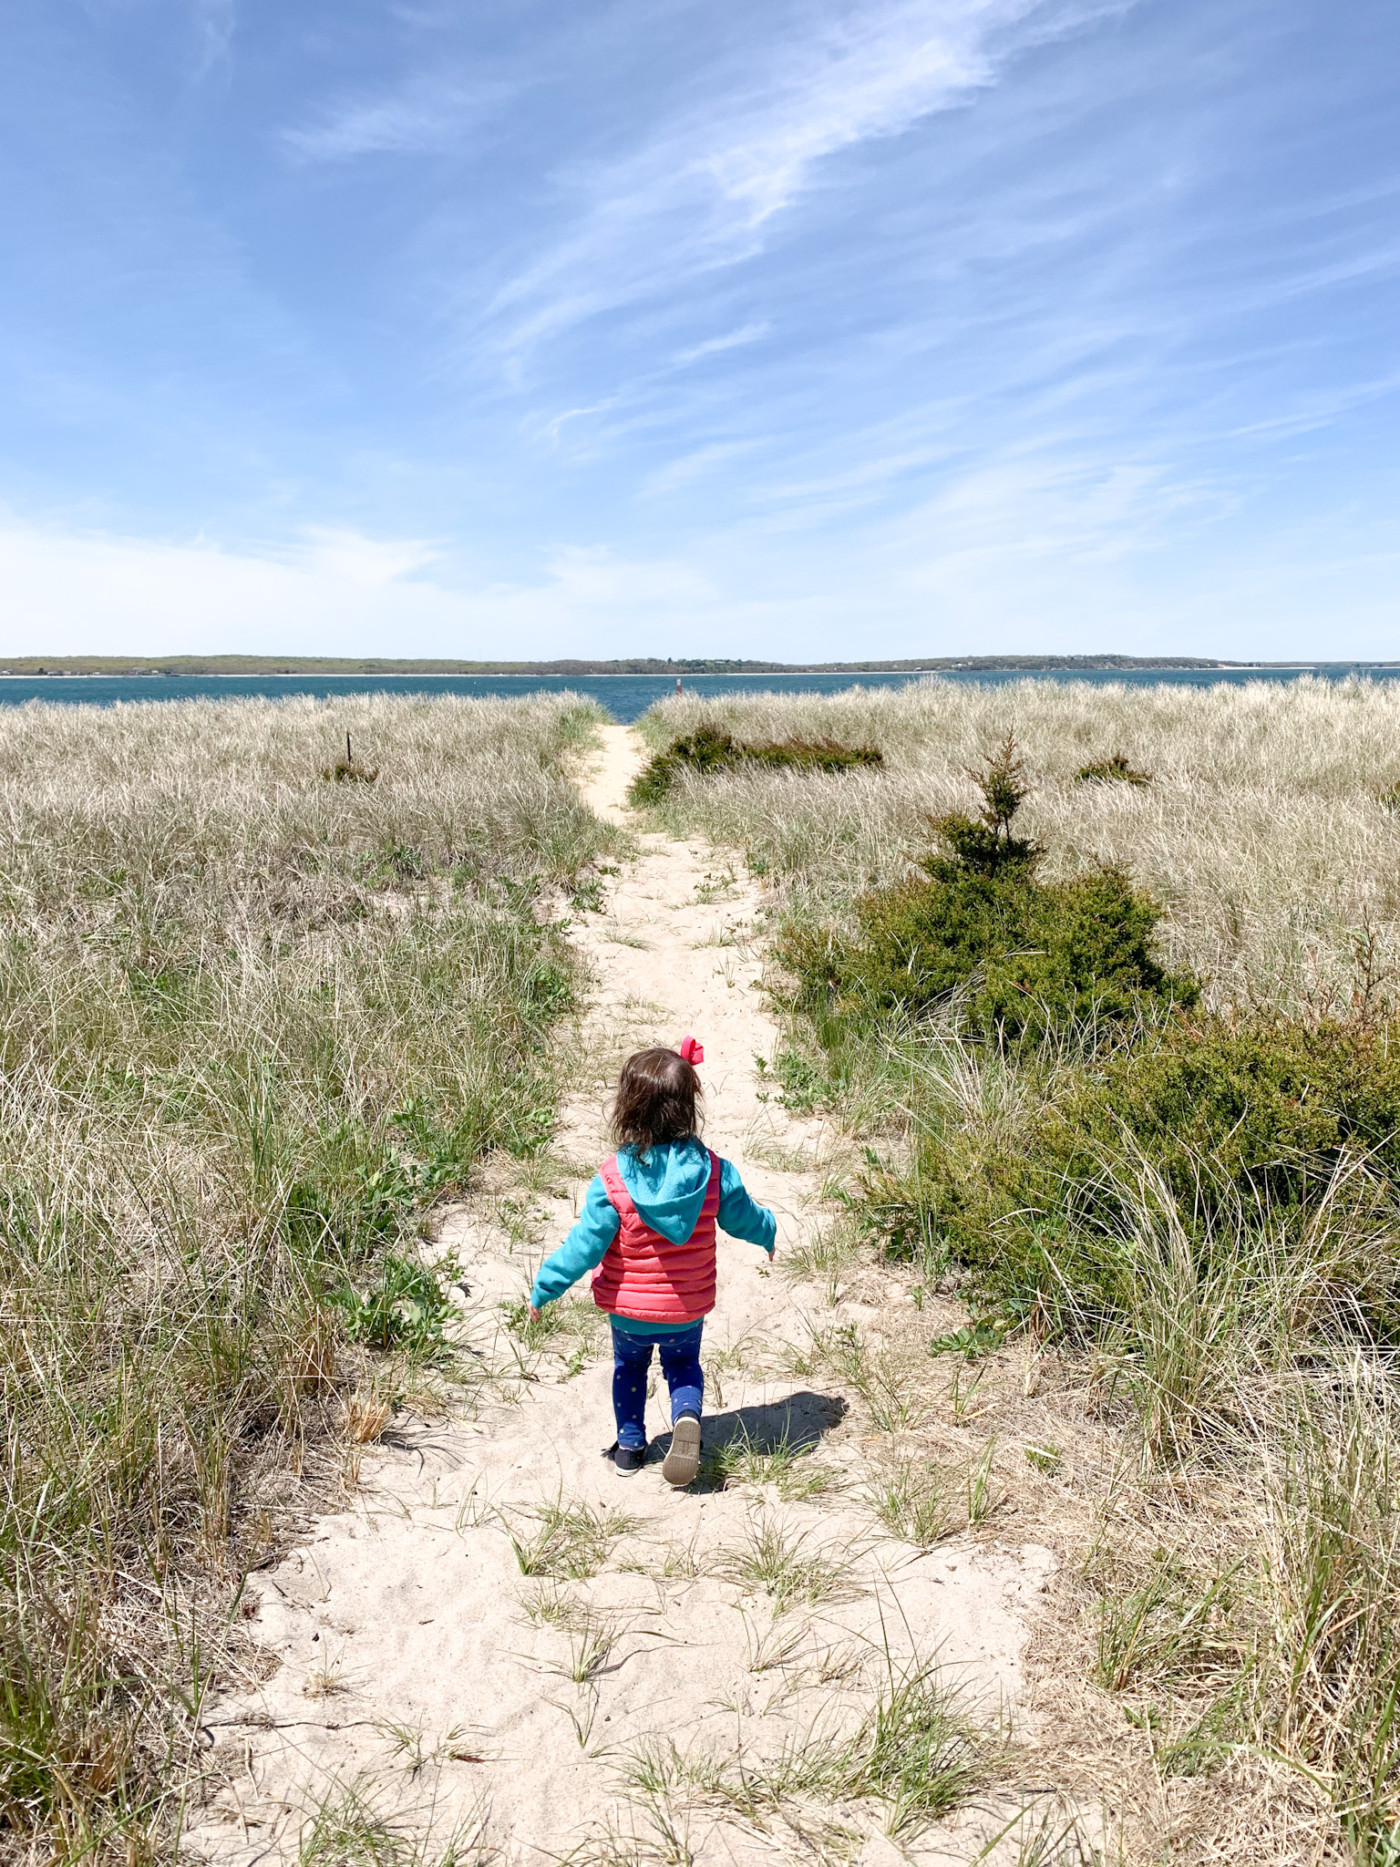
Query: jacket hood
[[667, 1185]]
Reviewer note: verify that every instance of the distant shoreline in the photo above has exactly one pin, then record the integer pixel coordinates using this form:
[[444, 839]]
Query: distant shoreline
[[234, 667]]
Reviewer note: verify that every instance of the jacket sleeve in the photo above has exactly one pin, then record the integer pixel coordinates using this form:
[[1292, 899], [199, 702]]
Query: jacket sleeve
[[741, 1216], [583, 1250]]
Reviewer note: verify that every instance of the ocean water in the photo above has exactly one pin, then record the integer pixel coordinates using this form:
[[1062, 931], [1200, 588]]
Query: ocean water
[[626, 696]]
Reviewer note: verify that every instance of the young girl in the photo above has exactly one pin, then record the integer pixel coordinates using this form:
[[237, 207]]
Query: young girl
[[647, 1231]]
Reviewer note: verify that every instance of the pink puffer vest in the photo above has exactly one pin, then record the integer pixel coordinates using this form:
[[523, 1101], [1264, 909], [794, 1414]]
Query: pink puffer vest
[[644, 1275]]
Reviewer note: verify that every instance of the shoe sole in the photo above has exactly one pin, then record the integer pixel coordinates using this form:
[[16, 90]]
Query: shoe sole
[[682, 1462]]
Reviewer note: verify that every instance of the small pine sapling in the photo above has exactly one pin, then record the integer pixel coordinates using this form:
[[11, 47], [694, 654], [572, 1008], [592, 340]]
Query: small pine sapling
[[984, 845]]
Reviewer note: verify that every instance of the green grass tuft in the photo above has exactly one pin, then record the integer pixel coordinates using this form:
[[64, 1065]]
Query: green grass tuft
[[1112, 770], [571, 1541]]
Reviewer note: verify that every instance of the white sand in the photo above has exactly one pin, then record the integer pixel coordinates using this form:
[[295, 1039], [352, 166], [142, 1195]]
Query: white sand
[[411, 1681]]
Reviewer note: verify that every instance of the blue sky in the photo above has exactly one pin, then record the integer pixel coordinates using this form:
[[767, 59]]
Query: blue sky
[[821, 330]]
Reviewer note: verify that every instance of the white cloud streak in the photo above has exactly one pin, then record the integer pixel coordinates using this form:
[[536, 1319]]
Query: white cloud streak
[[422, 118], [731, 340], [336, 592], [1017, 556], [704, 191], [214, 22]]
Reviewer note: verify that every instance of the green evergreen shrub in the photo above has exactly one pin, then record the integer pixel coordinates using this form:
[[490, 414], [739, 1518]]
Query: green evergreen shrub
[[1274, 1108], [1245, 1133], [710, 748], [1019, 957]]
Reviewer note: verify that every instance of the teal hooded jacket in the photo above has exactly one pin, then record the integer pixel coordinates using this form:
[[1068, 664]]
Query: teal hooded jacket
[[667, 1186]]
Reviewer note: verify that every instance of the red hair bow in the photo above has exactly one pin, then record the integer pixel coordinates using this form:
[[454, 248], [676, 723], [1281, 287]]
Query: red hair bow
[[692, 1052]]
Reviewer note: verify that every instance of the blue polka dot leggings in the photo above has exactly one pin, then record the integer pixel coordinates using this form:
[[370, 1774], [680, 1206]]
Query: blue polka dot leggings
[[680, 1363]]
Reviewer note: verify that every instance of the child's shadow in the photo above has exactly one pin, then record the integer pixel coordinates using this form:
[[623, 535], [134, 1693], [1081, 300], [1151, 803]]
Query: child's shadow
[[790, 1427]]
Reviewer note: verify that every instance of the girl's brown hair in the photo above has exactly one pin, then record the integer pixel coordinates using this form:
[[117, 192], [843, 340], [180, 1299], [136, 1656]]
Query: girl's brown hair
[[656, 1100]]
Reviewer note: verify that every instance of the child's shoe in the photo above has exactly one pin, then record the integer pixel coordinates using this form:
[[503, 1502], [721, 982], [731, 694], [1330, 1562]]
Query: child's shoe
[[626, 1459], [682, 1462]]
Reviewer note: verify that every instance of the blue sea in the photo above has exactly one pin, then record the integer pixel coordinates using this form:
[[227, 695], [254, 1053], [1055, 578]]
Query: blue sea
[[626, 696]]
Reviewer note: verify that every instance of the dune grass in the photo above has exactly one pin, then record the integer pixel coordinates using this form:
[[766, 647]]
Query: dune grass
[[1263, 832], [1200, 1204], [915, 1754], [252, 1022]]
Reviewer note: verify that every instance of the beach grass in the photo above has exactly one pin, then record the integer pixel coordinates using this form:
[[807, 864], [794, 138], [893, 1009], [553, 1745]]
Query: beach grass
[[1193, 1209], [266, 997], [1263, 832], [253, 1022]]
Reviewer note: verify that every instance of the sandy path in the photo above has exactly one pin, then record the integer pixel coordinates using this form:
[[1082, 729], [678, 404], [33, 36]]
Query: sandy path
[[426, 1680]]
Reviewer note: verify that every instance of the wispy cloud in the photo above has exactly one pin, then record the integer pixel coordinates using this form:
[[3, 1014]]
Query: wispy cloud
[[420, 118], [336, 592], [731, 340], [696, 465], [214, 21], [704, 191], [654, 324], [1049, 505], [335, 551], [555, 428]]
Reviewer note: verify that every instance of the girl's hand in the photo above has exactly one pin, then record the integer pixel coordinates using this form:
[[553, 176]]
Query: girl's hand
[[533, 1313]]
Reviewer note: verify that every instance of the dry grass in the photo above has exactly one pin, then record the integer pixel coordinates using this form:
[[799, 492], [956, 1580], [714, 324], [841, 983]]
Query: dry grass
[[1219, 1471], [1263, 831], [913, 1755], [787, 1566], [252, 1021]]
